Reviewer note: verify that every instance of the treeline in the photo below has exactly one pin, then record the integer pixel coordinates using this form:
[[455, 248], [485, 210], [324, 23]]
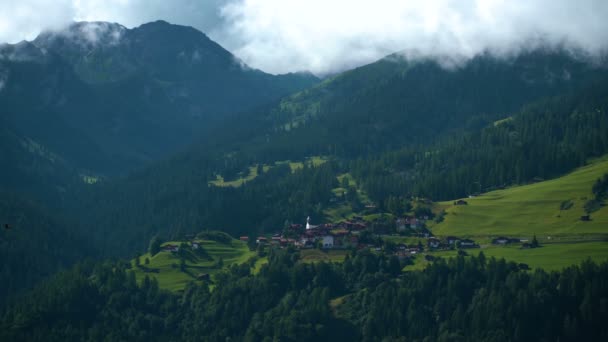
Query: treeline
[[542, 141], [366, 298]]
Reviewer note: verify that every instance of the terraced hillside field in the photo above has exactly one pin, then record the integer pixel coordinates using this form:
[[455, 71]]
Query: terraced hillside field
[[171, 275]]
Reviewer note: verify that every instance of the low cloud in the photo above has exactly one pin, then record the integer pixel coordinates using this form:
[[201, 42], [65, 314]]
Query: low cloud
[[327, 36]]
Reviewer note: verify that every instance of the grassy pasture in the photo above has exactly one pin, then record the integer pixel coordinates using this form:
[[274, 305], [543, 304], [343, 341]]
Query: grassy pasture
[[170, 276], [523, 211]]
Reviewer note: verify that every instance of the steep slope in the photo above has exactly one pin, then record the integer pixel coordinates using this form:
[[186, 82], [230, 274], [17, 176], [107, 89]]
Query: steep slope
[[396, 102], [34, 245], [30, 169], [107, 99], [550, 208]]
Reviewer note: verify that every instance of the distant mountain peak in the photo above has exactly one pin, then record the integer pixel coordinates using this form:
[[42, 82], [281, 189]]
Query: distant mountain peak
[[84, 34]]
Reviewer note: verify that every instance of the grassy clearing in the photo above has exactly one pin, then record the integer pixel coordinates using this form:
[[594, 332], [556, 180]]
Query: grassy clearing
[[342, 211], [554, 256], [297, 165], [530, 209], [315, 255], [339, 212], [253, 171], [258, 264], [170, 276]]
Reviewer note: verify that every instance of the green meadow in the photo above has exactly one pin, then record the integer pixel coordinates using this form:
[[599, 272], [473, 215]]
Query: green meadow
[[165, 266], [315, 255], [523, 211], [551, 210], [252, 172], [550, 257]]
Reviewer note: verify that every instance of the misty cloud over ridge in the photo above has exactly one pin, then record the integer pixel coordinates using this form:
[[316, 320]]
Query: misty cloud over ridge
[[331, 35]]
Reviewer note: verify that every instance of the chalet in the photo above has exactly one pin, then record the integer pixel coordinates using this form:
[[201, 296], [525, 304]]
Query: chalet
[[500, 241], [401, 247], [401, 255], [171, 248], [195, 245], [451, 240], [461, 202], [413, 222], [467, 243], [401, 225], [328, 241], [504, 240], [585, 218], [340, 232], [433, 243], [244, 238], [261, 240], [203, 276]]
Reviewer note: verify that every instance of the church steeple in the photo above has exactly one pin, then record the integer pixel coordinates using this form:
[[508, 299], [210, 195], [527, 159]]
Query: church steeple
[[308, 222]]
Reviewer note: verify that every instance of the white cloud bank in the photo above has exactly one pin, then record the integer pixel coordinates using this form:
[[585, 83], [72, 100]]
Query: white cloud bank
[[330, 35]]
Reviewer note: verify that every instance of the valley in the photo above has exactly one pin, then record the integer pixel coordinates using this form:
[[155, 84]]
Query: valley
[[155, 187]]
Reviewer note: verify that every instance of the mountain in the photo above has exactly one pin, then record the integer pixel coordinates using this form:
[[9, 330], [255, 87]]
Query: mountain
[[396, 102], [107, 99], [395, 126]]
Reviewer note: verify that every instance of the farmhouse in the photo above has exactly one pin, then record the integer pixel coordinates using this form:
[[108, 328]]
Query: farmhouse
[[468, 243], [504, 240], [451, 240], [203, 276], [171, 248], [261, 240], [328, 241], [433, 243]]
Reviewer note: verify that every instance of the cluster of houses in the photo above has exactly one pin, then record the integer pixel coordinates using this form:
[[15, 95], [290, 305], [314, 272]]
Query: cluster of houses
[[345, 235], [327, 236]]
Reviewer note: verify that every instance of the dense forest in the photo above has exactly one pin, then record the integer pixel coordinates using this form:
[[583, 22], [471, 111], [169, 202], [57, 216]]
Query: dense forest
[[365, 298], [34, 244]]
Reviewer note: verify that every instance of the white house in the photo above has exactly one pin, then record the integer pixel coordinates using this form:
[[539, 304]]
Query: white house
[[328, 241]]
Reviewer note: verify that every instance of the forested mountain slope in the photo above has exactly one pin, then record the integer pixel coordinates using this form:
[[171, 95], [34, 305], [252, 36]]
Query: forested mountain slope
[[34, 244], [544, 138], [107, 99], [397, 102]]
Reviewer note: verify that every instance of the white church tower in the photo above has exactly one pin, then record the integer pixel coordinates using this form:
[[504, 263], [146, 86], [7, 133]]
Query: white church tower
[[308, 223]]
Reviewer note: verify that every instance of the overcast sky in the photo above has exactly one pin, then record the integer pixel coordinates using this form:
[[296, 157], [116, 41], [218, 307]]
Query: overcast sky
[[331, 35]]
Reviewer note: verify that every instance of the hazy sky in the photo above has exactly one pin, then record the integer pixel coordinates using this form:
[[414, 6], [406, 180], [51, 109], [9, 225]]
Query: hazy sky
[[331, 35]]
